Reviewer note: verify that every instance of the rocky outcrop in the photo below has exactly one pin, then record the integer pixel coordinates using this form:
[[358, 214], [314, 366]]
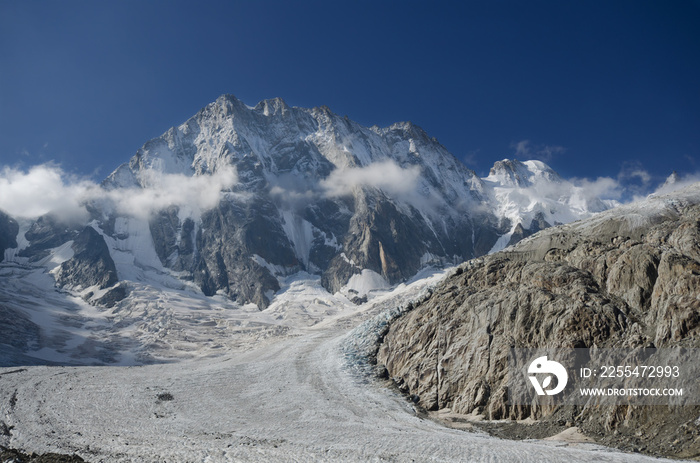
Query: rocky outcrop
[[389, 242], [47, 232], [90, 266], [174, 240], [628, 277], [234, 244], [8, 233], [519, 232], [17, 456]]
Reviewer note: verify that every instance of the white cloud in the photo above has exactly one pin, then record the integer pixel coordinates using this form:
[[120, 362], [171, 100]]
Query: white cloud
[[631, 185], [471, 158], [525, 150], [43, 189], [293, 191], [47, 189], [642, 175], [387, 176], [193, 195], [635, 177], [601, 187]]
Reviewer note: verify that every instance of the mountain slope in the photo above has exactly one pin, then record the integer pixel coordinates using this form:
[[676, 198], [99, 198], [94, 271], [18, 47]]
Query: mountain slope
[[253, 208], [625, 278]]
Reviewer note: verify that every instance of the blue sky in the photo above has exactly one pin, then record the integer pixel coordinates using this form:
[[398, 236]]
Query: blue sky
[[595, 88]]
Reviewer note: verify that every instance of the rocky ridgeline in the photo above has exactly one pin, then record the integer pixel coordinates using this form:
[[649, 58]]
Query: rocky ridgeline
[[625, 278], [16, 456]]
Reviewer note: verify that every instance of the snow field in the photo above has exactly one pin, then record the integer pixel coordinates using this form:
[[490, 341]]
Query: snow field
[[293, 400], [293, 395]]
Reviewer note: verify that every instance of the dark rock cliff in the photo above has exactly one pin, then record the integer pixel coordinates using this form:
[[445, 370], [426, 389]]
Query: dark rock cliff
[[91, 265], [8, 233], [626, 278]]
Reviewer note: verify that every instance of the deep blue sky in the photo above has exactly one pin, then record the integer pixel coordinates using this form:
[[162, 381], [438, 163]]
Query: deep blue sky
[[615, 84]]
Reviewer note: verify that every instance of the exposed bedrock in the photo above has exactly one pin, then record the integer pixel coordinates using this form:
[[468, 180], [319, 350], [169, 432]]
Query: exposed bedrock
[[626, 278]]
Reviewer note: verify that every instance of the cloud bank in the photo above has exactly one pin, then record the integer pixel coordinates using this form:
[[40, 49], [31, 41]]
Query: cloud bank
[[48, 189], [192, 194], [44, 189], [387, 176]]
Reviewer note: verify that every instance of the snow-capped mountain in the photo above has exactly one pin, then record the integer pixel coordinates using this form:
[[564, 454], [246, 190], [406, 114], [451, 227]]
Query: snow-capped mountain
[[529, 196], [294, 190], [314, 192]]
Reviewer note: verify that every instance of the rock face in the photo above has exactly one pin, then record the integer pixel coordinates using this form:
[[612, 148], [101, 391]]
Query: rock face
[[91, 266], [625, 278], [13, 455], [8, 233], [45, 233]]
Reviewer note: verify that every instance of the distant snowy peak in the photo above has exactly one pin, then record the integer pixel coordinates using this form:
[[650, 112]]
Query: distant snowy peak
[[529, 196], [513, 173], [529, 183], [675, 182], [671, 180]]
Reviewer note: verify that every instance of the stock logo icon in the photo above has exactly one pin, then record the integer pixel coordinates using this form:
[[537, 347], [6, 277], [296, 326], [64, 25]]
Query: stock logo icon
[[542, 366]]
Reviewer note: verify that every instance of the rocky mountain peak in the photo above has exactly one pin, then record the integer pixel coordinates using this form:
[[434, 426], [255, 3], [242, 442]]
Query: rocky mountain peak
[[514, 173], [311, 191], [672, 179], [272, 107], [227, 104]]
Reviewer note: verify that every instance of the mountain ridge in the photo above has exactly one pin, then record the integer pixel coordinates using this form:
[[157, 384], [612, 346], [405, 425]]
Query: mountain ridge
[[243, 196]]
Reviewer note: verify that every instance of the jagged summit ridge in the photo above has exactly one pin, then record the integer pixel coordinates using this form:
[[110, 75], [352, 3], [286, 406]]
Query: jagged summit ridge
[[306, 190], [511, 172], [228, 128]]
